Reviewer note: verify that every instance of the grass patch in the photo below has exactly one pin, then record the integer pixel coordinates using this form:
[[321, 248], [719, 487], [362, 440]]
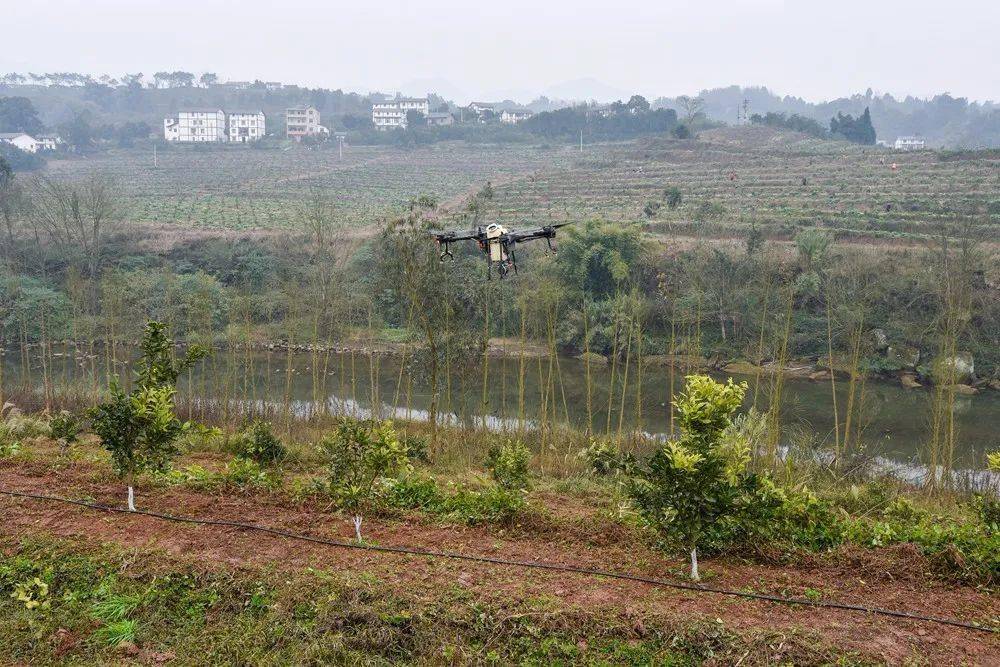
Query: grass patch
[[105, 604]]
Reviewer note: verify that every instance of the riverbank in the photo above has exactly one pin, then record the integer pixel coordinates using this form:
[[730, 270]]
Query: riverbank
[[813, 369]]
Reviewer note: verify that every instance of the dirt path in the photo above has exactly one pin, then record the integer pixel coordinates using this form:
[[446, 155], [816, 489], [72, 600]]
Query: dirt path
[[889, 578]]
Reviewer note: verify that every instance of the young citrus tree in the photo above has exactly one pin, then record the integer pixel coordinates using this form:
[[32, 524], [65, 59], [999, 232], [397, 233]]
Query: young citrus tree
[[140, 428], [359, 455], [692, 482]]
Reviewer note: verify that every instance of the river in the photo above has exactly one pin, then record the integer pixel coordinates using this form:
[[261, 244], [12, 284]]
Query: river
[[896, 420]]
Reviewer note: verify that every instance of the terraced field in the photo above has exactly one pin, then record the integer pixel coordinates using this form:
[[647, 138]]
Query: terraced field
[[734, 177], [241, 189], [729, 178]]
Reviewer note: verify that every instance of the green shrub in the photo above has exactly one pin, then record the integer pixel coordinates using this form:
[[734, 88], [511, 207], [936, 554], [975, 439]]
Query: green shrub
[[508, 464], [8, 445], [412, 493], [605, 458], [491, 505], [672, 196], [258, 443], [65, 427], [965, 550], [783, 518], [243, 472], [418, 447], [987, 509], [359, 456]]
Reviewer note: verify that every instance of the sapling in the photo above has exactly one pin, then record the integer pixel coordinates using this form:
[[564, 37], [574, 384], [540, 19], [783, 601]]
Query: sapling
[[360, 454], [140, 428], [692, 482]]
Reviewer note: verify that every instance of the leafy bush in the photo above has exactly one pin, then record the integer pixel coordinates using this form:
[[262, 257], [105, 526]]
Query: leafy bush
[[672, 196], [258, 443], [418, 447], [244, 472], [966, 550], [139, 430], [508, 464], [987, 508], [605, 458], [412, 493], [491, 505], [65, 427], [8, 445], [359, 455], [784, 518]]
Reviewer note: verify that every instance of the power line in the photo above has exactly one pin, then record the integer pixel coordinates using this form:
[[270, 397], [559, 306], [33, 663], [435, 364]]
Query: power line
[[540, 565]]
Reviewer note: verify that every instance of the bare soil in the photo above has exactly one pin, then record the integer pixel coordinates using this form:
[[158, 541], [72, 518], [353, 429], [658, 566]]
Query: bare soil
[[561, 530]]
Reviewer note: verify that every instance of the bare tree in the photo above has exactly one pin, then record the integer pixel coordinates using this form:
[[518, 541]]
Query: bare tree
[[692, 106], [78, 214], [12, 206]]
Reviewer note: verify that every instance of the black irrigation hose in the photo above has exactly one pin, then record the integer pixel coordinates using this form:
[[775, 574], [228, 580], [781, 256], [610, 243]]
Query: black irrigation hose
[[412, 551]]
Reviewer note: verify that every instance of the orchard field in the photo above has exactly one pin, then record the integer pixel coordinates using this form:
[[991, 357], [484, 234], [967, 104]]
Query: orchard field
[[728, 178], [735, 177], [236, 188]]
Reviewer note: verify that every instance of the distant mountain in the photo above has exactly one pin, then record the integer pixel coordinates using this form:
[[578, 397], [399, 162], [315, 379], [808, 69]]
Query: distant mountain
[[584, 90], [943, 120]]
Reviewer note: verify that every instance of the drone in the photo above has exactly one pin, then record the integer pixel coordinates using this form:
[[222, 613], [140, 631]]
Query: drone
[[497, 243]]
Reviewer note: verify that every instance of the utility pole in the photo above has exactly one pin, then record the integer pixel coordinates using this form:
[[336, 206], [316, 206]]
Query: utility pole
[[154, 156], [581, 141]]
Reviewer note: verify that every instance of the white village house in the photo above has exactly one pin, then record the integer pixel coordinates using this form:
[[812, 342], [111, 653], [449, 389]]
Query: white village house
[[197, 125], [909, 144], [481, 108], [440, 118], [512, 116], [49, 142], [303, 122], [392, 113], [20, 140], [246, 126], [214, 126]]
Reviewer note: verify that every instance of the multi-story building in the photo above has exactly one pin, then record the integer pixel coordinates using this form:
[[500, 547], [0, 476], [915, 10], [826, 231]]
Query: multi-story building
[[198, 125], [910, 144], [302, 122], [246, 126], [514, 115], [392, 113]]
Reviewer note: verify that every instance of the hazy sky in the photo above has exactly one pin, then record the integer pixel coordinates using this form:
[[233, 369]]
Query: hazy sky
[[494, 48]]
